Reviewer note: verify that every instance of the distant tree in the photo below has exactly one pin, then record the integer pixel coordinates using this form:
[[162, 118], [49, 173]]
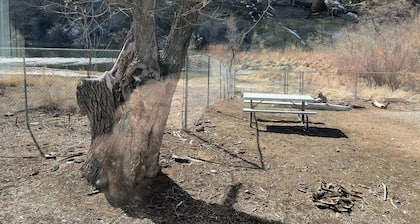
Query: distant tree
[[34, 24], [86, 21], [236, 36]]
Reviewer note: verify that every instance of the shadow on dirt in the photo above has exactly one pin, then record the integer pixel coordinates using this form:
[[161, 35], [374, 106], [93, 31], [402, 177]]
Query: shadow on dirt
[[174, 205], [299, 130], [312, 131], [286, 121], [249, 164]]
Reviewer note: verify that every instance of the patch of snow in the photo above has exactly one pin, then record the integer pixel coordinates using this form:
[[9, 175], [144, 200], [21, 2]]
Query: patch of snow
[[38, 61]]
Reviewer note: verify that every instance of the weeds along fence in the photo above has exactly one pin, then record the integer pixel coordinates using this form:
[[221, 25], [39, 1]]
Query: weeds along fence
[[338, 86], [50, 78], [205, 81]]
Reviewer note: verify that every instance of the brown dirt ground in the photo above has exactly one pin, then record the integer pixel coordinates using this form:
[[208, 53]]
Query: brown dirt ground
[[225, 182], [236, 174]]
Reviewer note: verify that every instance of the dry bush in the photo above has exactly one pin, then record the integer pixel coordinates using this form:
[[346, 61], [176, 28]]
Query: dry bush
[[381, 51], [13, 80], [389, 11], [46, 92], [60, 94], [220, 51], [223, 52]]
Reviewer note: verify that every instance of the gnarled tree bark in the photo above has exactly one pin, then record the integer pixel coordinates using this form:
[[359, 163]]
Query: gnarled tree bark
[[129, 105]]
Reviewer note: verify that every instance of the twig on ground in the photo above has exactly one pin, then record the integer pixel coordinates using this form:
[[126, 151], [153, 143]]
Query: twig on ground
[[72, 156], [385, 192], [93, 192], [184, 159], [392, 203]]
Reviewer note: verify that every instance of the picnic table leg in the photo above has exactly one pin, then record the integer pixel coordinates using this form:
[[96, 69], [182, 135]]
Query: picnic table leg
[[305, 126], [250, 114], [250, 120]]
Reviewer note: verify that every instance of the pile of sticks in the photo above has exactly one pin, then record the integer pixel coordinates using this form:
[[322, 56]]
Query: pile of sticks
[[335, 197]]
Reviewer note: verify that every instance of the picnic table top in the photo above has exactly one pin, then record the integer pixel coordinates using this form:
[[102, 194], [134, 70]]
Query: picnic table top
[[276, 96]]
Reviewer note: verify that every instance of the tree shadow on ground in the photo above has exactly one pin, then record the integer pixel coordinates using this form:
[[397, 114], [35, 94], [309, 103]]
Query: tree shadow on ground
[[248, 164], [286, 121], [299, 130], [311, 131], [174, 205]]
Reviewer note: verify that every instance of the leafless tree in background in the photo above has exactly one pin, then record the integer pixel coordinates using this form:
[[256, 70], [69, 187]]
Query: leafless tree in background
[[85, 20]]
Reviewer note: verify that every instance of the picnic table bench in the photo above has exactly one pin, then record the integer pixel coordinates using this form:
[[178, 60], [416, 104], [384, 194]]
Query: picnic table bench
[[282, 101]]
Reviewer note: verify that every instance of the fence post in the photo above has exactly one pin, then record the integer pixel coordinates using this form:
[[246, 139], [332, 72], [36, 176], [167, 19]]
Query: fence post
[[28, 126], [286, 82], [227, 83], [302, 81], [220, 80], [355, 85], [208, 81], [185, 123], [233, 83]]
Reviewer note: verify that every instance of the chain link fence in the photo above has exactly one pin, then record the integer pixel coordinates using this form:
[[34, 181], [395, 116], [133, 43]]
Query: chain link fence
[[43, 81], [206, 81], [50, 77], [338, 86]]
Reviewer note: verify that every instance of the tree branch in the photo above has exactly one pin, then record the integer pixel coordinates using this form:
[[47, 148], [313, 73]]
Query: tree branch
[[176, 48]]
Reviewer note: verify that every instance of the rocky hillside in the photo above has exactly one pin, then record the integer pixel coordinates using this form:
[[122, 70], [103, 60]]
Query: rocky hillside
[[276, 24]]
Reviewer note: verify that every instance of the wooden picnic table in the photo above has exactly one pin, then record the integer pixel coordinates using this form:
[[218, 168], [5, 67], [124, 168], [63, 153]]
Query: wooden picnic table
[[254, 99]]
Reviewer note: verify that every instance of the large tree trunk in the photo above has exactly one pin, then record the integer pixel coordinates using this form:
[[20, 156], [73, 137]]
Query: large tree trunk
[[129, 105]]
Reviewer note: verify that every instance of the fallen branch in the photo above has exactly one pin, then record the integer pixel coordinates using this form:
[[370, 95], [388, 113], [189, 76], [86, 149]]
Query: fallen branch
[[181, 159], [72, 156], [392, 203], [184, 159], [327, 106], [51, 155], [385, 192], [319, 106], [93, 192], [380, 105], [335, 197]]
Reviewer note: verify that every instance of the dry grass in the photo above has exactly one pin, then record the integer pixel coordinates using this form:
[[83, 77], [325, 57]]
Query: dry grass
[[320, 75], [384, 50], [46, 92], [387, 54]]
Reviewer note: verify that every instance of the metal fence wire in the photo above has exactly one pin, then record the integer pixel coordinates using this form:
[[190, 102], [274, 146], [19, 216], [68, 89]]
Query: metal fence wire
[[206, 81], [51, 81], [48, 83], [343, 85]]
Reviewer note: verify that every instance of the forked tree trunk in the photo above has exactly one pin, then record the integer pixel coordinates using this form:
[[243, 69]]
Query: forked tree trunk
[[129, 105]]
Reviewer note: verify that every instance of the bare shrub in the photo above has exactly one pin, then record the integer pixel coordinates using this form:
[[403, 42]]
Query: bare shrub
[[221, 51], [47, 92], [381, 51], [13, 80], [55, 93]]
